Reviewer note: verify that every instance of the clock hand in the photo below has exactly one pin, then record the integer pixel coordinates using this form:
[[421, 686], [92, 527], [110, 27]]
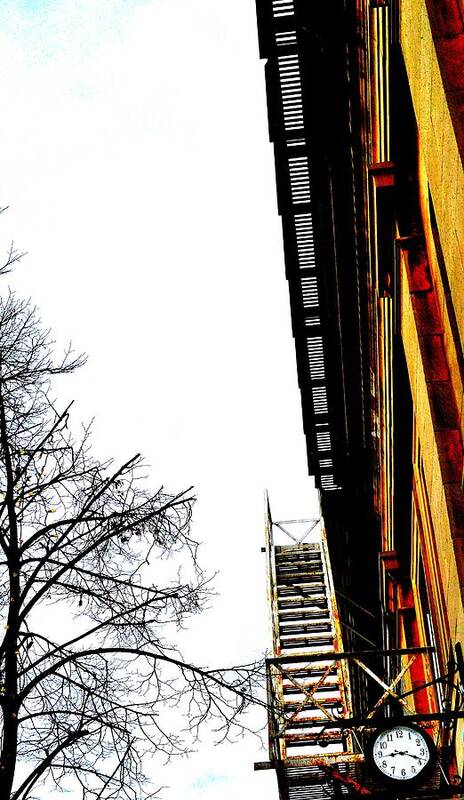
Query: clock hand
[[405, 753]]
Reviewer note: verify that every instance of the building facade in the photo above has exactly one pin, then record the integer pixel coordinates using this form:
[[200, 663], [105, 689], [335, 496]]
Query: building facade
[[366, 114]]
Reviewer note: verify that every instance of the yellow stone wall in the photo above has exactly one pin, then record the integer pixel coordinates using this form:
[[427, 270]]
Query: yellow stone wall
[[431, 463], [441, 171], [439, 151], [434, 483]]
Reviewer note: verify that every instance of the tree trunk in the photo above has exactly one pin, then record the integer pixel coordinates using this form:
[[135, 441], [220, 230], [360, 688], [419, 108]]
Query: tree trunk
[[9, 698]]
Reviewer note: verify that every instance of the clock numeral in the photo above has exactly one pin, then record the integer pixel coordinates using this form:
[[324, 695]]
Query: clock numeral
[[389, 737], [384, 764], [403, 772], [409, 734], [393, 770], [383, 745], [413, 769], [399, 734], [422, 751], [418, 741]]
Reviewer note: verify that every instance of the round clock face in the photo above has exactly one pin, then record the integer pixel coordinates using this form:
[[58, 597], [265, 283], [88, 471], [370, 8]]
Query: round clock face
[[401, 753]]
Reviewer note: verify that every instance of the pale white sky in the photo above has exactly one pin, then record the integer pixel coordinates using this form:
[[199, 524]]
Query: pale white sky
[[134, 156]]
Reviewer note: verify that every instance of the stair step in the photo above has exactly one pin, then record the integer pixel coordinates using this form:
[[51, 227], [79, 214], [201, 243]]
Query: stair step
[[306, 672], [320, 640], [295, 562], [304, 627], [325, 687], [293, 590], [287, 576], [300, 740], [316, 601], [296, 558], [327, 702], [303, 615], [304, 726]]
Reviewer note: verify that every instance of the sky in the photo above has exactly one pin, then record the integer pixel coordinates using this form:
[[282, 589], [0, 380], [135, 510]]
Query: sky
[[135, 161]]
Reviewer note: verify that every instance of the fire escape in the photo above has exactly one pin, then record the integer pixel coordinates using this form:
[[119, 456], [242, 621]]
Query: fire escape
[[318, 745], [307, 685], [346, 718]]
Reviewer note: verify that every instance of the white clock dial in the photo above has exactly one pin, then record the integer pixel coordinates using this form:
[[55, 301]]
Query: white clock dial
[[401, 753]]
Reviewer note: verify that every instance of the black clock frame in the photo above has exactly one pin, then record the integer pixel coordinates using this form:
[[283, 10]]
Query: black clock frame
[[407, 782]]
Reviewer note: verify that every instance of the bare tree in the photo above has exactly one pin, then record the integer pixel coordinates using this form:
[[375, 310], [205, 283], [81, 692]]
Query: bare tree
[[88, 670]]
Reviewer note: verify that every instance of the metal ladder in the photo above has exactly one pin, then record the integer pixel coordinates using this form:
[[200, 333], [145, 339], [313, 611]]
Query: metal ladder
[[307, 685]]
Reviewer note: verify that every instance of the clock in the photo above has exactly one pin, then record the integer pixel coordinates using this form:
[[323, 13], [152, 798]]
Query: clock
[[402, 754]]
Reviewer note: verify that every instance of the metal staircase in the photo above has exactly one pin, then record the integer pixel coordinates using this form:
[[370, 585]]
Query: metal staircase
[[316, 744], [308, 686]]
